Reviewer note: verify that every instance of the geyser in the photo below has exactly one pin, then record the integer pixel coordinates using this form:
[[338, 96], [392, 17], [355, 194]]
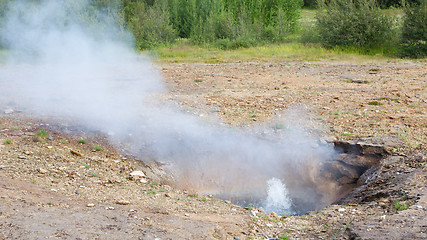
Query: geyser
[[67, 60]]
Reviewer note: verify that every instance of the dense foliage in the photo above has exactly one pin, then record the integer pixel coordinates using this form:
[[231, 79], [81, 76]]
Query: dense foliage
[[357, 24], [354, 23], [225, 22], [414, 31]]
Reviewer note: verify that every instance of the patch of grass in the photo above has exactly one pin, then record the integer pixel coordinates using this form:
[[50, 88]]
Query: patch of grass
[[85, 165], [151, 191], [33, 182], [154, 184], [7, 142], [14, 128], [42, 133], [82, 141], [400, 207], [94, 174], [97, 148], [374, 103], [284, 237], [64, 141], [183, 51], [192, 195], [43, 142], [279, 126], [49, 203], [198, 80]]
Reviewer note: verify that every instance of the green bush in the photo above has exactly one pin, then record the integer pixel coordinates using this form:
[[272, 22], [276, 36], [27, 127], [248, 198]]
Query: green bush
[[414, 32], [150, 24], [354, 23]]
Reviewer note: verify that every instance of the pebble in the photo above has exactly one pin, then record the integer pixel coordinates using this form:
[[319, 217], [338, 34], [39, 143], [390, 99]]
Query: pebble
[[109, 208], [143, 180], [50, 138], [254, 213], [236, 238], [137, 174], [9, 111], [22, 157], [42, 171], [78, 191], [187, 215], [123, 202], [90, 205], [341, 210]]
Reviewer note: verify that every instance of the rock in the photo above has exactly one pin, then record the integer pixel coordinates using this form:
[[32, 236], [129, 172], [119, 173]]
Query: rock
[[137, 175], [22, 157], [236, 238], [186, 214], [90, 205], [123, 202], [254, 213], [50, 138], [78, 191], [109, 208], [42, 171], [143, 180], [75, 153]]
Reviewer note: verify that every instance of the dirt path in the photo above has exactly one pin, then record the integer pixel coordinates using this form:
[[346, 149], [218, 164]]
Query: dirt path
[[46, 191]]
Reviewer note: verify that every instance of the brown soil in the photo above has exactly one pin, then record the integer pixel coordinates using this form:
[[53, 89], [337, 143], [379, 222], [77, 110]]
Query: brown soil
[[47, 191]]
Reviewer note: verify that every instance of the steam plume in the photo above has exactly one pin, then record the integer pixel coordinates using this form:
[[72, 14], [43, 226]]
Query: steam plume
[[68, 62]]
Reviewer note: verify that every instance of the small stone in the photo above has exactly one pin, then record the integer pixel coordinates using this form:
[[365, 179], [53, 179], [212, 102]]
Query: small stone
[[90, 205], [341, 210], [75, 153], [78, 191], [137, 174], [27, 152], [109, 208], [42, 171], [269, 225], [123, 202], [50, 138], [22, 157], [254, 213], [187, 215], [50, 147], [143, 180], [236, 238]]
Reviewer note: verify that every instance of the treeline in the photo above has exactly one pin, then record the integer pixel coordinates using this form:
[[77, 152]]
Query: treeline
[[358, 24], [227, 23]]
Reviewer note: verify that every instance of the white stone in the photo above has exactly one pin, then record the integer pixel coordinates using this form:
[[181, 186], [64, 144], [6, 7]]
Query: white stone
[[137, 174]]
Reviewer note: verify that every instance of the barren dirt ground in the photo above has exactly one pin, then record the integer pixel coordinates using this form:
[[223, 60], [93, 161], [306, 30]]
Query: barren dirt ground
[[49, 191]]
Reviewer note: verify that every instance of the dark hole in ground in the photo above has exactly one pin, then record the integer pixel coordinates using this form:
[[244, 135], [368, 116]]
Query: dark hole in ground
[[354, 165]]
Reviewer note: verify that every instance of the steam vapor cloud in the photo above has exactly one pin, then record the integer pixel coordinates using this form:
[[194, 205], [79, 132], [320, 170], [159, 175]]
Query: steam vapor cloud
[[67, 62]]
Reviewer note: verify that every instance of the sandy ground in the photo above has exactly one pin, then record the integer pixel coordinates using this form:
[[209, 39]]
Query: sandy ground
[[47, 191]]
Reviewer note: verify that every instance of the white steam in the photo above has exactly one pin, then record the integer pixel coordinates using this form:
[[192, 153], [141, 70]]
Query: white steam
[[69, 63]]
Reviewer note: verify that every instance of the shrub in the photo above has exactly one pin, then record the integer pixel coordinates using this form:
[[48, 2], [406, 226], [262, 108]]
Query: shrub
[[414, 31], [354, 23], [150, 24]]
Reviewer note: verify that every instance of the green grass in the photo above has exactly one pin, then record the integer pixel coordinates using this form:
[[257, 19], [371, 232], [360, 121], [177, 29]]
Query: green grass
[[292, 48], [86, 166], [42, 133], [82, 141], [7, 142], [97, 148], [400, 207]]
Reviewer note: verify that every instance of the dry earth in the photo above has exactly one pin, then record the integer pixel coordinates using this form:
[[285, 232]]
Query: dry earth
[[49, 191]]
